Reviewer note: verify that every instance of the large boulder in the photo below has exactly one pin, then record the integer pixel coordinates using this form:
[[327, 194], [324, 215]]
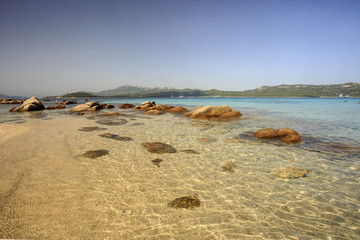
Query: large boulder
[[31, 104], [213, 111], [89, 106]]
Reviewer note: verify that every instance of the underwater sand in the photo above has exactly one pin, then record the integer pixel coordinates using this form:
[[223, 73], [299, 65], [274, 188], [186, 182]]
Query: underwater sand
[[49, 191]]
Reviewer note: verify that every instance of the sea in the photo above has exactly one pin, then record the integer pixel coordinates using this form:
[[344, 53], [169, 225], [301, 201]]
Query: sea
[[126, 193]]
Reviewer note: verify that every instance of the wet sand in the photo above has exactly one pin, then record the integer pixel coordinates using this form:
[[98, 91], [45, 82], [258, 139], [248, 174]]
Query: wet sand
[[48, 191]]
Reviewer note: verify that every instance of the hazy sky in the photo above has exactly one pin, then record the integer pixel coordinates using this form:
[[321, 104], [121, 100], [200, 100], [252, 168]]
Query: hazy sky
[[53, 47]]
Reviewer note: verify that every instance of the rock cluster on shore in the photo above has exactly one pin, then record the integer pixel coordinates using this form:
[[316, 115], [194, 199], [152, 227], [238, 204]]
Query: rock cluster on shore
[[10, 101], [31, 104]]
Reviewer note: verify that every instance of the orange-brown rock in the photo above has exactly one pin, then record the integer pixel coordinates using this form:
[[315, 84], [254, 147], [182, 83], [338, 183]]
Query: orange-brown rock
[[286, 131], [212, 111], [292, 138], [178, 109], [232, 114], [266, 133]]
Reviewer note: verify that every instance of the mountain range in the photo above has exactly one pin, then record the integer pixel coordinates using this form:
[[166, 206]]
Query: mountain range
[[298, 90]]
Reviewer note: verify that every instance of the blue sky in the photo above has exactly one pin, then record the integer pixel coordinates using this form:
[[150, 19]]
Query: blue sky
[[54, 47]]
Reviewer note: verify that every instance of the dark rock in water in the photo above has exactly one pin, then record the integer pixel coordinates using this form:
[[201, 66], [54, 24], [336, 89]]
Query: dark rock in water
[[57, 106], [115, 137], [206, 140], [229, 167], [126, 106], [113, 123], [90, 129], [95, 153], [67, 102], [158, 147], [107, 106], [189, 151], [157, 161], [185, 202], [289, 172], [136, 124]]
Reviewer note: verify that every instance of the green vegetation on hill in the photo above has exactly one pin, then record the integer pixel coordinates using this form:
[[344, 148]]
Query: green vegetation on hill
[[351, 89], [79, 94]]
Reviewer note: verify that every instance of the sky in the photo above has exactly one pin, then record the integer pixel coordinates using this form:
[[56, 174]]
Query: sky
[[50, 47]]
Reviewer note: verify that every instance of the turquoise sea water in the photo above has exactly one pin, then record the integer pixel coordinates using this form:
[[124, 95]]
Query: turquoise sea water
[[123, 195], [325, 117]]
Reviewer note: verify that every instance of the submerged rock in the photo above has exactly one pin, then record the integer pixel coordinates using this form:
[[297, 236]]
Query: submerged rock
[[206, 140], [189, 151], [229, 167], [289, 172], [95, 153], [112, 123], [110, 114], [293, 138], [158, 147], [185, 202], [90, 129], [155, 112], [157, 161], [115, 137]]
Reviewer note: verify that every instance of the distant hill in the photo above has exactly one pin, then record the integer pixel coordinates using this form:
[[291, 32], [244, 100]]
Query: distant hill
[[298, 90], [128, 89], [79, 94], [11, 97]]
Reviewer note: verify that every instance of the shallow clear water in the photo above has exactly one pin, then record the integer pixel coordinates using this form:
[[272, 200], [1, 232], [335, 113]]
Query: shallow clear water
[[124, 195]]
